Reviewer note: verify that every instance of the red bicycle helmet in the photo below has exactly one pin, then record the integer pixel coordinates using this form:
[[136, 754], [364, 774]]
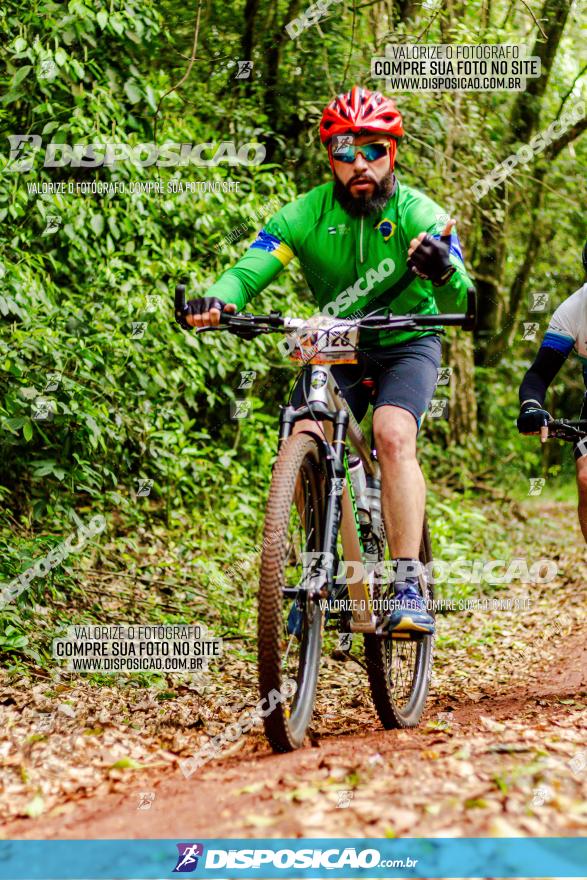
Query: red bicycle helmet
[[361, 111]]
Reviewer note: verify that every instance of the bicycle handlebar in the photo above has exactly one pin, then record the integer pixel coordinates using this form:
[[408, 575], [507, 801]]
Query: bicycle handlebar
[[248, 326], [564, 429]]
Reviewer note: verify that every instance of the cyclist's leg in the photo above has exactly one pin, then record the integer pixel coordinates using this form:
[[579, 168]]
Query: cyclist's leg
[[406, 384], [581, 465], [403, 494], [580, 450]]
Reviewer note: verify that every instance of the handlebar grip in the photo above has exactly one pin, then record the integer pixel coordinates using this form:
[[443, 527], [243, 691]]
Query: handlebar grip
[[470, 321], [180, 306]]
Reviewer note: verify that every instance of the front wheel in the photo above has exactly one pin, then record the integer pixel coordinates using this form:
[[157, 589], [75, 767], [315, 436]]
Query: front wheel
[[399, 670], [290, 623]]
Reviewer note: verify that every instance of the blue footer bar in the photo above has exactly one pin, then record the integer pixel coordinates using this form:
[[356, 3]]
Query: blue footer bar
[[543, 857]]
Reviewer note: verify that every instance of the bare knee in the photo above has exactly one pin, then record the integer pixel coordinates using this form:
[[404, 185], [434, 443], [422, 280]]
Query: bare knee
[[395, 441]]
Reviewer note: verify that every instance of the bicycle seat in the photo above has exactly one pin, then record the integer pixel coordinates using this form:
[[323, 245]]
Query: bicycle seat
[[370, 385]]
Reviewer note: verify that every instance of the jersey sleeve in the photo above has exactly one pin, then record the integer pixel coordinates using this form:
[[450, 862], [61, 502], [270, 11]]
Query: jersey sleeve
[[270, 252], [559, 340], [424, 215], [541, 374], [563, 329]]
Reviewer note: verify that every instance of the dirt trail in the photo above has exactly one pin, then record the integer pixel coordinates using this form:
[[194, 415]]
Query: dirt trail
[[501, 751], [481, 774]]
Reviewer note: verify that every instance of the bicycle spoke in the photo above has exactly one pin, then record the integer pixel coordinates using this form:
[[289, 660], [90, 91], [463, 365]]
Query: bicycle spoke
[[291, 641], [399, 669]]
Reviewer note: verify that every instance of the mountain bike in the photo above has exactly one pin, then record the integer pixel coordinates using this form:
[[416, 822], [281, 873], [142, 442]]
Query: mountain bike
[[321, 512]]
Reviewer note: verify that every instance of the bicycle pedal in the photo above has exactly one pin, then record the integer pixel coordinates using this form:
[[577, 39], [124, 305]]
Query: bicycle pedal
[[401, 635]]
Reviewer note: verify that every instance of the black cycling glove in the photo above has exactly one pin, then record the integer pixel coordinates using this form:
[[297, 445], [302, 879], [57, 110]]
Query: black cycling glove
[[203, 304], [431, 260], [532, 417]]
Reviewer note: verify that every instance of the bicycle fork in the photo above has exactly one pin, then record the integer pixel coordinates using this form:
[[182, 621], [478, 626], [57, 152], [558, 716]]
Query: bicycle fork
[[340, 510]]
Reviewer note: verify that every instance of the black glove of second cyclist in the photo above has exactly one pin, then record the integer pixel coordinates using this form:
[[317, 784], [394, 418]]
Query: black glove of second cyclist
[[532, 417], [431, 260]]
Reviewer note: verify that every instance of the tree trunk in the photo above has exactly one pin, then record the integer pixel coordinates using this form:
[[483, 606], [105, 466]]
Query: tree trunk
[[463, 401], [491, 249], [247, 42], [404, 10], [272, 105], [489, 259], [527, 107], [534, 240]]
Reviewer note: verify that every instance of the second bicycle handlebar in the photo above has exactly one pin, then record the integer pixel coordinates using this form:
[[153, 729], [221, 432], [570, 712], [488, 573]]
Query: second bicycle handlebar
[[564, 429]]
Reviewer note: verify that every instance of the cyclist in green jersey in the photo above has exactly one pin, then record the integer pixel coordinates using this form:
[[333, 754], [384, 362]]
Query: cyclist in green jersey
[[366, 242]]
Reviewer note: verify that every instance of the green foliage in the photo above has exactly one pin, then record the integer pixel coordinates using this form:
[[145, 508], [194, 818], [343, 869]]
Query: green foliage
[[130, 407]]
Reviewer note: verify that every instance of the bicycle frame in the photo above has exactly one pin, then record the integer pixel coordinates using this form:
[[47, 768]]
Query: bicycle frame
[[325, 404]]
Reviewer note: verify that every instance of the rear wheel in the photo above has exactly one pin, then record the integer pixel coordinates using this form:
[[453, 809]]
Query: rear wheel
[[290, 625], [399, 669]]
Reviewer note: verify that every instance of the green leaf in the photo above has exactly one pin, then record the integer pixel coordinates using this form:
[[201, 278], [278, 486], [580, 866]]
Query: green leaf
[[77, 68], [35, 807], [102, 18], [20, 45], [27, 430], [151, 100], [117, 24], [126, 764], [113, 227], [20, 75], [50, 126], [43, 468], [13, 425], [132, 91], [97, 223]]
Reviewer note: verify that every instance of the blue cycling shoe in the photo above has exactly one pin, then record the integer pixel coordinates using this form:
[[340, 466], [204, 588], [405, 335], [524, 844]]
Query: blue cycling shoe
[[409, 614]]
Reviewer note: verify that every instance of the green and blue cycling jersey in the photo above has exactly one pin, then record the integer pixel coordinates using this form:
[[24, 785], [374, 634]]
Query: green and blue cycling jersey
[[352, 265]]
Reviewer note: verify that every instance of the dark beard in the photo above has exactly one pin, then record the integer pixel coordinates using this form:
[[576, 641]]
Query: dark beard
[[364, 205]]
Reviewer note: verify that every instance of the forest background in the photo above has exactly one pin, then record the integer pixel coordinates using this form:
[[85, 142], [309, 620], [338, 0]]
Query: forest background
[[139, 428]]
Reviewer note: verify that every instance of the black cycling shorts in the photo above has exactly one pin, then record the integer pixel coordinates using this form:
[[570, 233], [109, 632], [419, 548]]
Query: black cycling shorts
[[405, 376]]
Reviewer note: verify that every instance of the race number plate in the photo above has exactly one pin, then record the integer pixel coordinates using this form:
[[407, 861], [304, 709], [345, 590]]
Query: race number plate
[[326, 341]]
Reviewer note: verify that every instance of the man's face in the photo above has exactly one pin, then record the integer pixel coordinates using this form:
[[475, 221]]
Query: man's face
[[361, 177], [363, 187]]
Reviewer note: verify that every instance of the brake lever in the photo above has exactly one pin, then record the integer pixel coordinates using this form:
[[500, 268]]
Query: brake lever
[[242, 332], [247, 332], [205, 329]]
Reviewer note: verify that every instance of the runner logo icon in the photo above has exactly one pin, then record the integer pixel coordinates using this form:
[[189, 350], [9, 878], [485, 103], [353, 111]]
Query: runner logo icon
[[187, 860]]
